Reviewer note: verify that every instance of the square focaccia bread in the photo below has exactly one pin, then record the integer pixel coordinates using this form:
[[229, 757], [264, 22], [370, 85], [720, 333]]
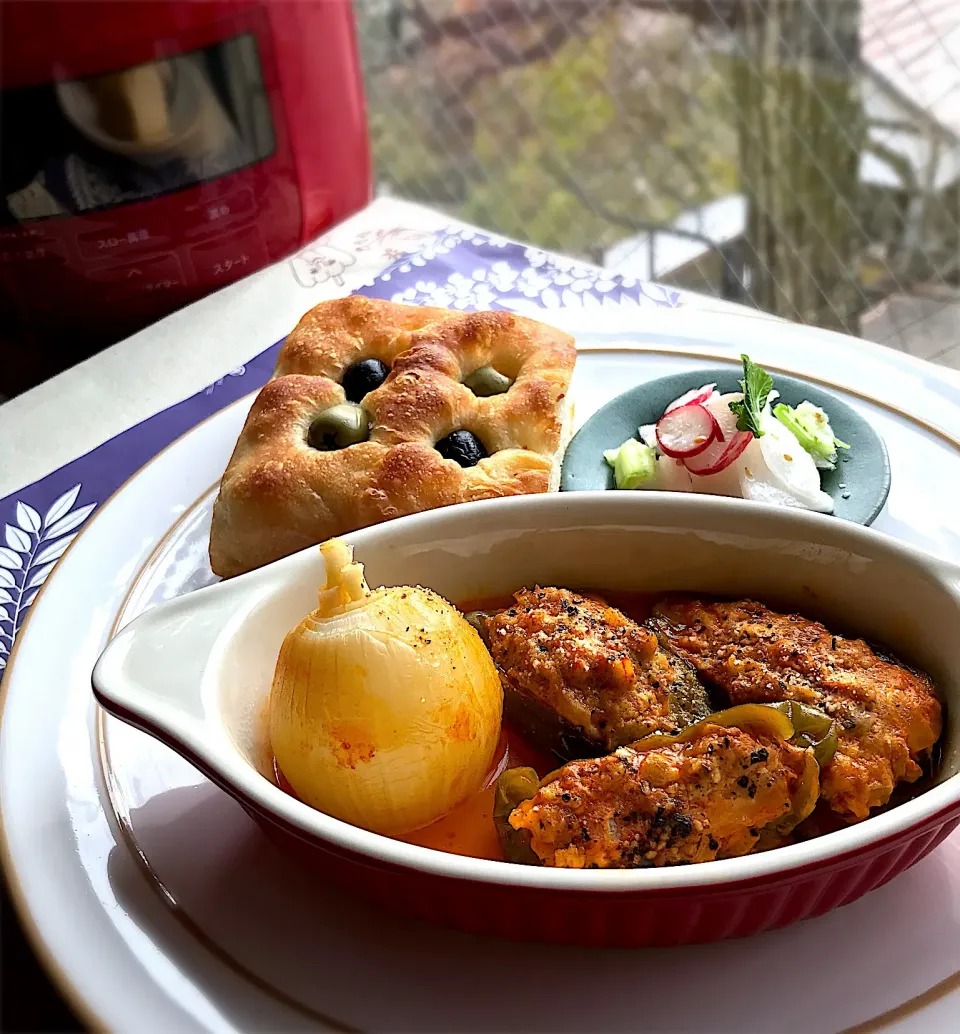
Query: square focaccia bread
[[377, 410]]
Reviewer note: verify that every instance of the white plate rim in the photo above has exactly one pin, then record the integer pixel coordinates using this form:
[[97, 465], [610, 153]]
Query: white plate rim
[[75, 996]]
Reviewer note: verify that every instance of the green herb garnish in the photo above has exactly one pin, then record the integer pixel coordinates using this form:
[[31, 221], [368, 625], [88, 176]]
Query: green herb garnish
[[756, 387]]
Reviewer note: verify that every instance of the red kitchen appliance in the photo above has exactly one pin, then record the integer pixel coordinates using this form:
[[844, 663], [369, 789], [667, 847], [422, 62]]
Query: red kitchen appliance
[[153, 151]]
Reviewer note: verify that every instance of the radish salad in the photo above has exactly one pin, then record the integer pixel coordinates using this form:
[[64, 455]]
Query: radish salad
[[736, 444]]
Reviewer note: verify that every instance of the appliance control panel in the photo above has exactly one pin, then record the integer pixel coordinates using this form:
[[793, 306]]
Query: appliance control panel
[[146, 187]]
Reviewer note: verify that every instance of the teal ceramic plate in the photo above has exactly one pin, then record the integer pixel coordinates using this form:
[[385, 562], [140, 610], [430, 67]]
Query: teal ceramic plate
[[859, 486]]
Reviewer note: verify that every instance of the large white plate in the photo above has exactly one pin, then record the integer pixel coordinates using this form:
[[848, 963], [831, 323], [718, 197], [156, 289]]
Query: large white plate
[[160, 906]]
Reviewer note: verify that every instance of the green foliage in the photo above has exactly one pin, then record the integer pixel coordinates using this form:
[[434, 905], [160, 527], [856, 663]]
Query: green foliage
[[546, 151]]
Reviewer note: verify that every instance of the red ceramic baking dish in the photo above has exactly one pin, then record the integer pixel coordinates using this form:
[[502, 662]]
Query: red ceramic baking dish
[[196, 672]]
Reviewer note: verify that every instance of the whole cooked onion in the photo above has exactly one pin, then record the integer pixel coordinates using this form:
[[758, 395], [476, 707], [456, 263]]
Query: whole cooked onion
[[385, 707]]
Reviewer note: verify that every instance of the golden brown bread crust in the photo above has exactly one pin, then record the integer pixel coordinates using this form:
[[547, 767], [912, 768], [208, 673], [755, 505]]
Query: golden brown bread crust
[[279, 495]]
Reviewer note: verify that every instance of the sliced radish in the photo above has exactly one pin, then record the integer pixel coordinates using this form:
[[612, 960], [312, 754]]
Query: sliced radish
[[695, 397], [686, 431], [784, 464], [725, 482], [673, 476], [718, 455], [648, 435], [728, 445], [763, 492], [719, 405]]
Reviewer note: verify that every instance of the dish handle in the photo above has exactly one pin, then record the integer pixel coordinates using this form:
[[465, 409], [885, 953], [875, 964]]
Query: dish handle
[[151, 673]]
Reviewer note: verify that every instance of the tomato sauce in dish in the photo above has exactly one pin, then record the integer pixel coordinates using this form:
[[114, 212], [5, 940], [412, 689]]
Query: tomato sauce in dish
[[468, 828]]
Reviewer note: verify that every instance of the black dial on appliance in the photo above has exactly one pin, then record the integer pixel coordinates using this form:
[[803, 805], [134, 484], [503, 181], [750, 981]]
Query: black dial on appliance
[[363, 377], [463, 446]]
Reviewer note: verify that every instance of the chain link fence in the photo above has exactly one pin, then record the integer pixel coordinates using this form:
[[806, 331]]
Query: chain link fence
[[802, 156]]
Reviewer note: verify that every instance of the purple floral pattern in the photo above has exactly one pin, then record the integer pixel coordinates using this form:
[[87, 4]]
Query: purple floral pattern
[[463, 269]]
